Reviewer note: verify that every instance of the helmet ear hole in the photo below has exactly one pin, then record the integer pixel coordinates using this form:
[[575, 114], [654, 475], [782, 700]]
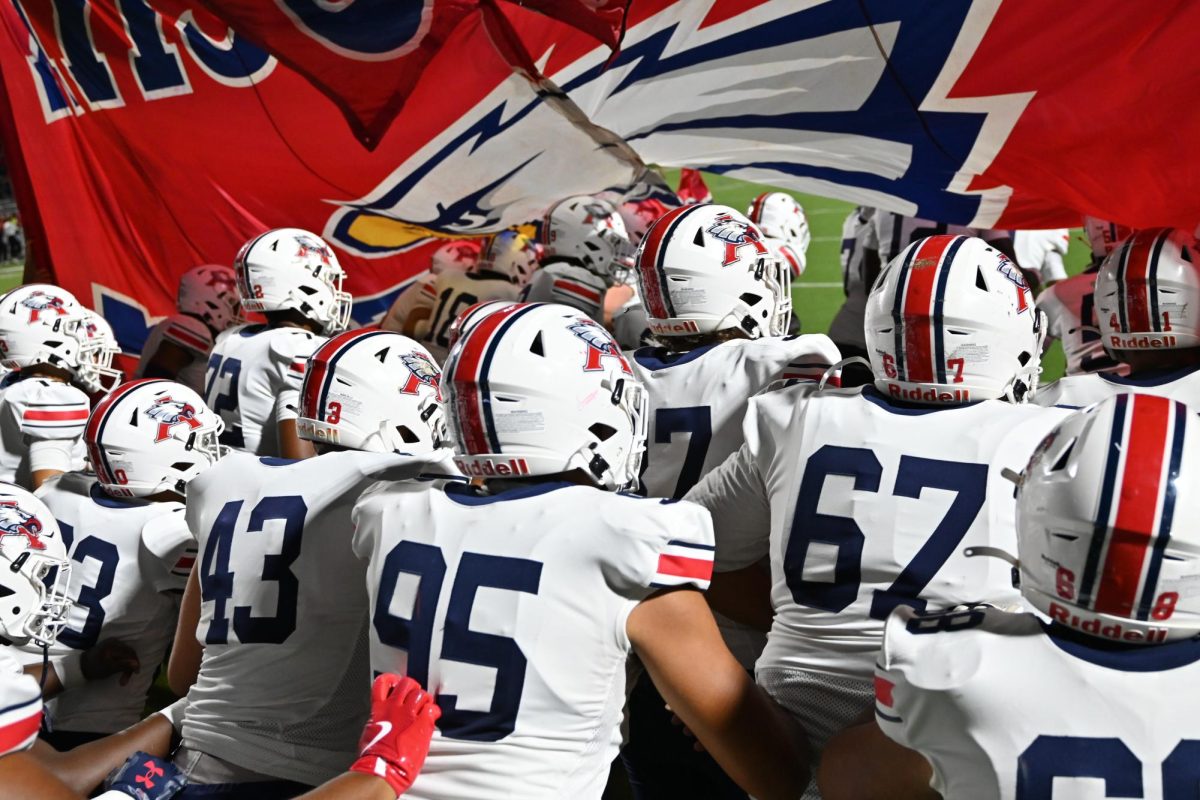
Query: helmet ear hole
[[980, 282], [602, 432], [1023, 359], [407, 435], [536, 347], [698, 239], [750, 299], [1061, 464], [183, 466]]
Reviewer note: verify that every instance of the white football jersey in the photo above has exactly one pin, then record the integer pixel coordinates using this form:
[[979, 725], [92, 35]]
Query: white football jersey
[[858, 236], [560, 282], [453, 293], [698, 399], [511, 609], [1042, 252], [1077, 391], [20, 705], [409, 299], [253, 382], [188, 333], [1006, 707], [130, 561], [1071, 319], [283, 687], [863, 505], [894, 232], [34, 410]]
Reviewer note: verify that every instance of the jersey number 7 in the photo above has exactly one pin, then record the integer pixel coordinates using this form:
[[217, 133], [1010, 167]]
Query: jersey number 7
[[967, 481]]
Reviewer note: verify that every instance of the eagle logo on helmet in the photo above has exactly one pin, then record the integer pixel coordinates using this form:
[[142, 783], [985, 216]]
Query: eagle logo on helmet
[[38, 303], [16, 521], [221, 281], [422, 370], [309, 245], [1009, 270], [168, 413], [735, 235], [599, 345]]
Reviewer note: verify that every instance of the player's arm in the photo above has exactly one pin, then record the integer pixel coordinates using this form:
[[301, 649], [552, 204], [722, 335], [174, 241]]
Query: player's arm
[[744, 595], [753, 740], [85, 767], [108, 657], [167, 361], [290, 443], [862, 763], [289, 356], [22, 776], [184, 665]]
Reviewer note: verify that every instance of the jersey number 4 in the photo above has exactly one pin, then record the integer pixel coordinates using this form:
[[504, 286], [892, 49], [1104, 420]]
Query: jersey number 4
[[814, 531], [459, 643]]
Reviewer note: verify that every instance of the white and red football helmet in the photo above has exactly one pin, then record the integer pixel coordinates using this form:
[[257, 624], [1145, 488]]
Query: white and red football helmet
[[459, 255], [1104, 236], [289, 269], [1106, 513], [35, 574], [779, 216], [471, 316], [540, 389], [639, 215], [1148, 293], [210, 293], [41, 324], [151, 435], [588, 231], [96, 372], [511, 254], [952, 320], [705, 268], [372, 390]]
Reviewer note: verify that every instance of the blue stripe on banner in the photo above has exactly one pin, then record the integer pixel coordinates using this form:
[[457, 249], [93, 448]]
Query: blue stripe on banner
[[1100, 530], [939, 301], [328, 377], [1152, 282], [485, 394], [1166, 518], [898, 311]]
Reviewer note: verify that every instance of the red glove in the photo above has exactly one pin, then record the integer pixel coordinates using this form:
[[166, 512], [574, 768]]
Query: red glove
[[396, 738]]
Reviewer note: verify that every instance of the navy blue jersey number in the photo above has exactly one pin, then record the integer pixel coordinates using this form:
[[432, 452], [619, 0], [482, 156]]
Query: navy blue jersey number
[[1108, 759], [225, 402], [694, 420], [106, 555], [459, 643], [809, 527]]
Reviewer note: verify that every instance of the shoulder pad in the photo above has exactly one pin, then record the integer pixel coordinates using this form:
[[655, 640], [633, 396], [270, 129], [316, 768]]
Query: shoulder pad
[[48, 409], [188, 333]]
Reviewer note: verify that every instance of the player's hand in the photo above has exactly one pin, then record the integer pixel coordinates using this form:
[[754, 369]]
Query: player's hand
[[110, 657], [396, 738], [148, 777]]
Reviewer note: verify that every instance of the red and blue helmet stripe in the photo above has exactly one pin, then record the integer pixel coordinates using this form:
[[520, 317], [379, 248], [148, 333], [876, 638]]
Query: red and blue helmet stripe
[[319, 376], [918, 310], [655, 294], [1137, 506], [1137, 282], [93, 433]]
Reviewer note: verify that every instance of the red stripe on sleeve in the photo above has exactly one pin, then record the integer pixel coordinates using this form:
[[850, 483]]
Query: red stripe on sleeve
[[575, 288], [72, 415], [883, 691], [14, 735], [683, 567], [187, 337]]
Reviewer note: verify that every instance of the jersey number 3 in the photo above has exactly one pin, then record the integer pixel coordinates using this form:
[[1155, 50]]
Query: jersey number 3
[[459, 642]]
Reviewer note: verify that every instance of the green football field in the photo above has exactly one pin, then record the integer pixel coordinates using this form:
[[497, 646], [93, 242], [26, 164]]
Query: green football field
[[818, 294]]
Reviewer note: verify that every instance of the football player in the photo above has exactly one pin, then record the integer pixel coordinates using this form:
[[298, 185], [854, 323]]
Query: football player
[[784, 228], [1002, 705], [271, 649], [894, 232], [457, 256], [860, 268], [518, 601], [719, 302], [1070, 306], [43, 405], [863, 499], [293, 278], [505, 267], [177, 347], [100, 349], [1042, 251], [131, 550], [587, 251], [34, 575], [1147, 301]]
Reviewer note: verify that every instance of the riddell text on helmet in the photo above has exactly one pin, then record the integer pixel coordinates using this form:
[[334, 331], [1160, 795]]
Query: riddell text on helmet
[[929, 395], [1140, 342], [1096, 627], [489, 468]]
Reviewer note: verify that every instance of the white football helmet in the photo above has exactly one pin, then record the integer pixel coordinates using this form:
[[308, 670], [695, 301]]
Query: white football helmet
[[779, 216], [588, 231], [1106, 514], [512, 254], [149, 436], [460, 255], [951, 320], [1148, 293], [1104, 236], [289, 269], [41, 324], [704, 268], [210, 293], [35, 573], [639, 215], [539, 389], [471, 316], [96, 372], [792, 260], [372, 390]]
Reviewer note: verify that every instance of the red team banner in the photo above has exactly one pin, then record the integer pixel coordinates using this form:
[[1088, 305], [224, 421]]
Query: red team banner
[[148, 136]]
